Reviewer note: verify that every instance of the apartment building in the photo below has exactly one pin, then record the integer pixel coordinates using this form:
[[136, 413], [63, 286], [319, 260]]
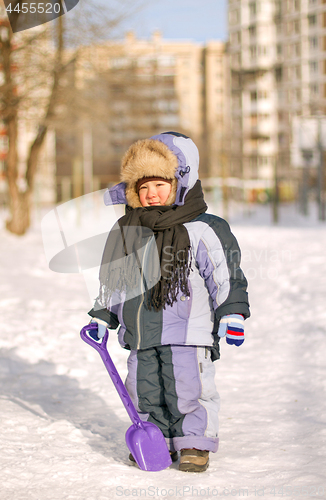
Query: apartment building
[[143, 87], [216, 108], [278, 71], [121, 91]]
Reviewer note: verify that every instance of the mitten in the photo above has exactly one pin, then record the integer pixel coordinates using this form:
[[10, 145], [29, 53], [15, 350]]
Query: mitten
[[101, 329], [232, 326]]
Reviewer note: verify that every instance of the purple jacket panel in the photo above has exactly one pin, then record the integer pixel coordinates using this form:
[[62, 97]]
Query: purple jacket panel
[[189, 388], [175, 321], [186, 174], [116, 195]]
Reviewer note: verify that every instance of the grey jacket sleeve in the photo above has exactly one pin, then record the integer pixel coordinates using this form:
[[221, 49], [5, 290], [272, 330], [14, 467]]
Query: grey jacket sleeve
[[104, 314], [224, 278]]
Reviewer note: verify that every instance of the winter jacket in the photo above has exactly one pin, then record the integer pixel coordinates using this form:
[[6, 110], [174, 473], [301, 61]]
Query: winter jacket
[[216, 282]]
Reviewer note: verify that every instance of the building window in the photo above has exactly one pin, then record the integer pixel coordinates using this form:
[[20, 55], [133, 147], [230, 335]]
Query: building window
[[281, 95], [313, 42], [238, 37], [281, 138], [252, 9], [312, 20], [234, 16], [252, 31], [278, 7], [263, 94], [263, 50], [279, 74], [297, 72], [264, 160], [297, 49], [253, 120], [236, 80], [314, 88], [313, 66], [236, 59]]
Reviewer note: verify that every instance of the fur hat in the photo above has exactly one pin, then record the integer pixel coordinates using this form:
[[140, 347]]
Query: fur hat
[[148, 158]]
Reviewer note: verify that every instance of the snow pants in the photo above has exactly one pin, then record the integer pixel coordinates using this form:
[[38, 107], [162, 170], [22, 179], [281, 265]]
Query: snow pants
[[173, 387]]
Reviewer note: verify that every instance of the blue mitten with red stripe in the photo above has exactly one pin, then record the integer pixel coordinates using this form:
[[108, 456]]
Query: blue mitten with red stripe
[[232, 326]]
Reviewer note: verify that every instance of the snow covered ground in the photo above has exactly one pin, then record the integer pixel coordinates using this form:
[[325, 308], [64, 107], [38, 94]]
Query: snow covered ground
[[62, 424]]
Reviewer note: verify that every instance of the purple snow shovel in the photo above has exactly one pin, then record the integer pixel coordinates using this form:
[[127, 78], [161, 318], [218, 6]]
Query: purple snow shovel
[[144, 439]]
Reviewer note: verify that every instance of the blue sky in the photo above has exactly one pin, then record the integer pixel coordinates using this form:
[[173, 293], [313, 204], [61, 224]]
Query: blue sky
[[199, 20]]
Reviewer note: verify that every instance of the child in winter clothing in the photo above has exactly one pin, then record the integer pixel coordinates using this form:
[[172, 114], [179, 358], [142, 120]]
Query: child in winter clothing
[[170, 277]]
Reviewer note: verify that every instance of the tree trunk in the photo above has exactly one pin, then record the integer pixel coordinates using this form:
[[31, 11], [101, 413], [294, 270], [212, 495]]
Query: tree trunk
[[20, 208], [19, 220], [21, 201]]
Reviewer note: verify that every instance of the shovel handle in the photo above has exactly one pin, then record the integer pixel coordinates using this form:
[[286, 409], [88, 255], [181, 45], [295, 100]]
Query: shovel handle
[[101, 347]]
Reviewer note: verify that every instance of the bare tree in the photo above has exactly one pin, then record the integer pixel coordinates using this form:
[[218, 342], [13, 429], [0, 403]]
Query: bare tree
[[35, 64]]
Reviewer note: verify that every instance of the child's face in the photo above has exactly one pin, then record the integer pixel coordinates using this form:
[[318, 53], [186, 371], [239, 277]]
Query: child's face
[[153, 193]]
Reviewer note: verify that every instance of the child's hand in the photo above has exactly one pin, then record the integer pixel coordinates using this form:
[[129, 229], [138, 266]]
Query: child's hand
[[232, 326], [101, 328]]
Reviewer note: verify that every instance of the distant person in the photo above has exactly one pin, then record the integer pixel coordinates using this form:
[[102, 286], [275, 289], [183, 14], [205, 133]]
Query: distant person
[[172, 281]]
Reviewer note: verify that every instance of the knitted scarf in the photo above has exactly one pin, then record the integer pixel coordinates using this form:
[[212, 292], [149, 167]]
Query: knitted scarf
[[133, 264]]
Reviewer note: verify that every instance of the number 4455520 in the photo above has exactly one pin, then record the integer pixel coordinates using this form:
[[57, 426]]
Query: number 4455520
[[32, 8]]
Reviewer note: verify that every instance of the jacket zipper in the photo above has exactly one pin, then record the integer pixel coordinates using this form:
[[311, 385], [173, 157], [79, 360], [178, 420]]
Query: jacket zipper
[[142, 299]]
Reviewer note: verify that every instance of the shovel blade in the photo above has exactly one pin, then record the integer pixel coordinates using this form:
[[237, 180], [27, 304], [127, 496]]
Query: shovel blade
[[148, 447]]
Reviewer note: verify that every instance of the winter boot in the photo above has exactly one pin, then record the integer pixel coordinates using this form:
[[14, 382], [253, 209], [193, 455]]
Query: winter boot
[[192, 460]]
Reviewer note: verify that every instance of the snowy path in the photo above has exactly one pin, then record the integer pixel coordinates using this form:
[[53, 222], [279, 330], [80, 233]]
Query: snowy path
[[62, 424]]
